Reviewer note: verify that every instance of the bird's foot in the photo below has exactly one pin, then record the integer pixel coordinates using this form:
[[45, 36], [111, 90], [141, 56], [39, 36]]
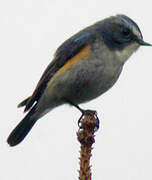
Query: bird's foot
[[90, 113]]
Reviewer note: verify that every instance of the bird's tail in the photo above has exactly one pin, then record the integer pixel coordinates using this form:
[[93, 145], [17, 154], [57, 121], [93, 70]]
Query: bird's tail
[[22, 129]]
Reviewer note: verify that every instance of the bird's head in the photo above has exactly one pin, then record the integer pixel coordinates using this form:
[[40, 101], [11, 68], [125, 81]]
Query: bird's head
[[122, 35]]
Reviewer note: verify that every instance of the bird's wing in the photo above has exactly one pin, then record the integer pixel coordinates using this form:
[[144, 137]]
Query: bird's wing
[[64, 53]]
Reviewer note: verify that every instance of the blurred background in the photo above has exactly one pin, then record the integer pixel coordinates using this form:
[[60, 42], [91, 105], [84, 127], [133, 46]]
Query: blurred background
[[30, 32]]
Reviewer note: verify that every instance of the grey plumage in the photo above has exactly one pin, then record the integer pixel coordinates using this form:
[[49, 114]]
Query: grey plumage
[[106, 45]]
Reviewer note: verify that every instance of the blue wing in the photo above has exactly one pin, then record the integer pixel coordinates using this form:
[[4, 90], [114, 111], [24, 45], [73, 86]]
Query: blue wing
[[64, 53]]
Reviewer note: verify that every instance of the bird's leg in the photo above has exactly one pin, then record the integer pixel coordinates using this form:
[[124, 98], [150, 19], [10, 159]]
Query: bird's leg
[[83, 111]]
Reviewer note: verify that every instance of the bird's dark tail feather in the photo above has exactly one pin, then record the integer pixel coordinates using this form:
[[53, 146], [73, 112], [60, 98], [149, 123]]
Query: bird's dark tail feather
[[22, 129], [24, 102]]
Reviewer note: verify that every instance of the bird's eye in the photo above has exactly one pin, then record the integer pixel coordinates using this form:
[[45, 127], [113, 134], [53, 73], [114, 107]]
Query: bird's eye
[[126, 32]]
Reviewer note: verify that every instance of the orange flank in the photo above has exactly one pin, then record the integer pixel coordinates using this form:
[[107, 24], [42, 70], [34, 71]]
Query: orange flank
[[81, 55], [71, 62]]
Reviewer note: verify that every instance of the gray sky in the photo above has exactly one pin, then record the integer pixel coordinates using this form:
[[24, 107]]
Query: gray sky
[[30, 32]]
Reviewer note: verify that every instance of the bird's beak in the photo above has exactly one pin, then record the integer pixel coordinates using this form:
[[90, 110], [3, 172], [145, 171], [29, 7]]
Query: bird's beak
[[143, 43]]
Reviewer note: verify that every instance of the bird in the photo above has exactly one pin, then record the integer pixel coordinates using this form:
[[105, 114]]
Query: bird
[[84, 67]]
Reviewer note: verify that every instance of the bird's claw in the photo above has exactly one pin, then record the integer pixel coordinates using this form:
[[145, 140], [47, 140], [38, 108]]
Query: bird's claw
[[88, 112]]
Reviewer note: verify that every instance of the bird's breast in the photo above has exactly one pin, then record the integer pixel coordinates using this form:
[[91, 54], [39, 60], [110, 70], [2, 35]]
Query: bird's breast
[[86, 78]]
